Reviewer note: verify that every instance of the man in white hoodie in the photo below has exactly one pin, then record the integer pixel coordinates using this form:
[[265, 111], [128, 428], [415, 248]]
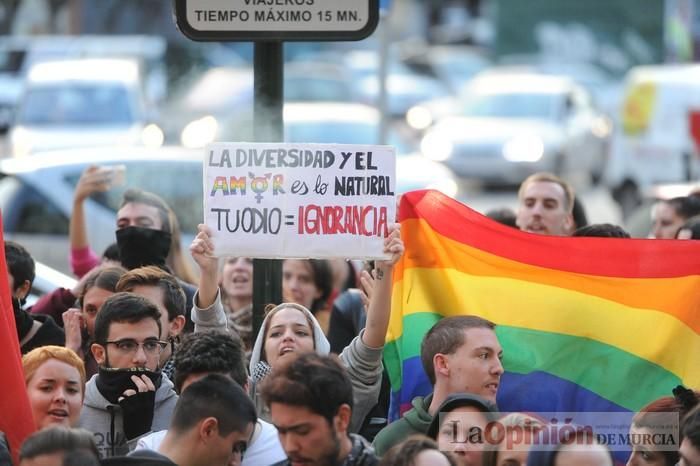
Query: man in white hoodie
[[128, 397]]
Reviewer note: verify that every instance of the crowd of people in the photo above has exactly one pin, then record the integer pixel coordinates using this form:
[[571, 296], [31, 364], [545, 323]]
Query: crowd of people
[[142, 363]]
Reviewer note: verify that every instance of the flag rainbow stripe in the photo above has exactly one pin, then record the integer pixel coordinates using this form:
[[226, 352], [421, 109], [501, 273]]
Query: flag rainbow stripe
[[586, 324]]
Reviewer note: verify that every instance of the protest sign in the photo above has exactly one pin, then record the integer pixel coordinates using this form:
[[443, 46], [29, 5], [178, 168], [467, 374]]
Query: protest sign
[[268, 200]]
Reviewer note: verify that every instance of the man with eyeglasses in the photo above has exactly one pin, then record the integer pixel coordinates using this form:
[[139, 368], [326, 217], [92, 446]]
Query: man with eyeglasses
[[128, 397]]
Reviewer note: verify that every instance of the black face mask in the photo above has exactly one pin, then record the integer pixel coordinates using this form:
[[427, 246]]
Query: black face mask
[[143, 246], [113, 382], [23, 321]]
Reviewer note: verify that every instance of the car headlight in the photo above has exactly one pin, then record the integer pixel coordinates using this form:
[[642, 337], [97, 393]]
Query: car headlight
[[419, 117], [524, 148], [436, 147], [602, 127], [152, 136], [21, 141], [448, 186], [199, 133]]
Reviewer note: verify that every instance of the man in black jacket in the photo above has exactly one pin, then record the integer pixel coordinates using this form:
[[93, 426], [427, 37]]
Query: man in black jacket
[[310, 400], [33, 331]]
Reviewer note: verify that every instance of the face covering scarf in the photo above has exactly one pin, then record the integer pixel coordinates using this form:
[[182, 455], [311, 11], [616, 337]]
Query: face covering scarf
[[140, 246], [113, 382]]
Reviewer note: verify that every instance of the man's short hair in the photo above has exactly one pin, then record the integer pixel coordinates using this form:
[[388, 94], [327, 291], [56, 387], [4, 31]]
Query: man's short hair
[[685, 206], [139, 196], [690, 427], [602, 230], [319, 383], [551, 178], [124, 307], [210, 352], [20, 264], [173, 295], [56, 440], [214, 396], [445, 337]]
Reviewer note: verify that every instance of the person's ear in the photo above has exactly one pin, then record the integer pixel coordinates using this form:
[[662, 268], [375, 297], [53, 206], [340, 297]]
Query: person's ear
[[441, 364], [569, 224], [342, 418], [23, 290], [99, 353], [176, 326], [208, 428]]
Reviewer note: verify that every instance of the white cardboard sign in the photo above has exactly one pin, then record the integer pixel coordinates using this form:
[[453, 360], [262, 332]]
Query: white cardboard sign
[[279, 200]]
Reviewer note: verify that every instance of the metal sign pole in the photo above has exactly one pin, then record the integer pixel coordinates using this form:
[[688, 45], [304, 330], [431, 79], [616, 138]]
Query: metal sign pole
[[268, 26], [268, 127]]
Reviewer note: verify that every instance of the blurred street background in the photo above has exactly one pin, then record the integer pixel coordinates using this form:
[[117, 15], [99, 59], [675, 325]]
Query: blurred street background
[[479, 94]]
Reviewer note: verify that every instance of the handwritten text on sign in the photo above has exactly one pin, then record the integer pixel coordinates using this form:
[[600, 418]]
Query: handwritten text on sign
[[299, 200]]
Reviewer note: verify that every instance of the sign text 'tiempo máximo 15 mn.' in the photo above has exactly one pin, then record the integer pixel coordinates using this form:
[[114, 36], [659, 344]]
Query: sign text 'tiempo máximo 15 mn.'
[[275, 20]]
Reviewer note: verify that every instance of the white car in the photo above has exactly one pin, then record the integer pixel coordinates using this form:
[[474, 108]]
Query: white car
[[654, 142], [85, 102], [512, 125]]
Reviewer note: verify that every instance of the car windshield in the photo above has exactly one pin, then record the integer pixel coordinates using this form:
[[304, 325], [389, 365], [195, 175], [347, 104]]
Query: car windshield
[[511, 105], [104, 104], [342, 132]]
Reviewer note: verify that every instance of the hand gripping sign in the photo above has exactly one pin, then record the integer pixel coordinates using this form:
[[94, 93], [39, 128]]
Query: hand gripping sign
[[278, 200]]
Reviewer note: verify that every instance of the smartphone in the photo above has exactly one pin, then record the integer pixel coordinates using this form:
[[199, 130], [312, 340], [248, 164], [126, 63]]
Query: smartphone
[[114, 174]]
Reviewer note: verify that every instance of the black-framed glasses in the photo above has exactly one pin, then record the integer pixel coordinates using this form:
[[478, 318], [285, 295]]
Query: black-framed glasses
[[240, 448], [130, 346]]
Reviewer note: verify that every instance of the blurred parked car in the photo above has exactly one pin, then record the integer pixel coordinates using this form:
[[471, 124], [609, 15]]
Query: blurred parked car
[[512, 125], [346, 123], [214, 105], [19, 53], [405, 88], [71, 103], [454, 65], [36, 195]]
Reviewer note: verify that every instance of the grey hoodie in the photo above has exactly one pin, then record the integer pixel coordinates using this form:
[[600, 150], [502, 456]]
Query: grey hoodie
[[107, 424], [364, 366]]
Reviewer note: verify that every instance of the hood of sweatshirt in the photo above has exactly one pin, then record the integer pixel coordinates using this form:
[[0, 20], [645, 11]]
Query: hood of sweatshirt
[[321, 343]]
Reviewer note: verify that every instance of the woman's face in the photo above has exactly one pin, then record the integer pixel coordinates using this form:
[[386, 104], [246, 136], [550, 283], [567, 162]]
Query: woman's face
[[92, 303], [666, 221], [642, 455], [55, 394], [298, 285], [583, 455], [288, 332], [458, 435], [237, 278]]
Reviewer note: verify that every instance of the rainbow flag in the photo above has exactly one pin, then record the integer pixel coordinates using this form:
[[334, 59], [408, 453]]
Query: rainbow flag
[[586, 324]]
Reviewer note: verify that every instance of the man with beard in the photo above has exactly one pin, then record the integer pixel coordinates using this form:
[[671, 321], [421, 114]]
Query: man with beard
[[310, 401], [128, 397], [545, 205]]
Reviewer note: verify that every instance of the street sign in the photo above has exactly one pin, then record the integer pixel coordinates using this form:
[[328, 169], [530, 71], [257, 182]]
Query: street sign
[[277, 20]]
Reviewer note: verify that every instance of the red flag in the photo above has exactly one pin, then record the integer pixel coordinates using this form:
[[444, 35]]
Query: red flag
[[16, 419]]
